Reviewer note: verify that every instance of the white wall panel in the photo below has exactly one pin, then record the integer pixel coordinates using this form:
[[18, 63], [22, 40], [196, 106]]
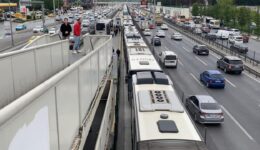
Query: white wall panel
[[95, 72], [65, 49], [86, 94], [56, 54], [24, 72], [6, 82], [68, 109], [43, 63], [34, 128]]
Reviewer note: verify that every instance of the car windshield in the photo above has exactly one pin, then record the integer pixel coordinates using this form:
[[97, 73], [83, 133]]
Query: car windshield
[[236, 62], [202, 47], [216, 76], [170, 57], [209, 106], [239, 38]]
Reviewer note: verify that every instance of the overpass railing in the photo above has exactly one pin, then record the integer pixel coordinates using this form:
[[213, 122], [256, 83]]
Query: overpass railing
[[44, 39], [50, 115], [24, 69]]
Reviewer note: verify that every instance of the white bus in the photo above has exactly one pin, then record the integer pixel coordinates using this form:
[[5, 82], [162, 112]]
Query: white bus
[[214, 24], [159, 120], [104, 26]]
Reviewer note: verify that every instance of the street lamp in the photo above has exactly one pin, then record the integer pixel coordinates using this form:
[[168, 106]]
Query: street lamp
[[11, 26]]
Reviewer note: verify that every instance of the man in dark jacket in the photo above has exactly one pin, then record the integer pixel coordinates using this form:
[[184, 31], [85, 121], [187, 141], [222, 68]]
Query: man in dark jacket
[[65, 29]]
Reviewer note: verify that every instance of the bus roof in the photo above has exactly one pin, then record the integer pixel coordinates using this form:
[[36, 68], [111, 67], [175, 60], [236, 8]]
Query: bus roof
[[143, 62], [150, 109]]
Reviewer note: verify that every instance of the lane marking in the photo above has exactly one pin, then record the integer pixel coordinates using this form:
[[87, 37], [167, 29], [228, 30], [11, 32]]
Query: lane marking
[[232, 84], [214, 55], [186, 49], [180, 62], [201, 60], [166, 48], [237, 123], [251, 77], [196, 79]]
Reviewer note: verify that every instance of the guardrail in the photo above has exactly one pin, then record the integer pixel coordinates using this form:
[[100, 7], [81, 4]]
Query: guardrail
[[50, 115], [24, 69], [219, 49]]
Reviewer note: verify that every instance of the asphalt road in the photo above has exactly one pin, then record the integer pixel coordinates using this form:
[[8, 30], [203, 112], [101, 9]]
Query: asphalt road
[[239, 100]]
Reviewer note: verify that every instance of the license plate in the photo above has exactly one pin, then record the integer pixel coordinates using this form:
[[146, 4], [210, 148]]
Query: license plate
[[217, 81], [236, 66], [212, 116]]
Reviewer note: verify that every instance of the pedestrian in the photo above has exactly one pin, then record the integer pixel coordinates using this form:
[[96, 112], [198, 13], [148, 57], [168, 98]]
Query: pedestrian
[[65, 29], [118, 53], [77, 33]]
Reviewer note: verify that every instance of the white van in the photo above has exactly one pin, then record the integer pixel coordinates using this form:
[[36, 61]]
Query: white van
[[222, 34], [214, 24], [168, 59]]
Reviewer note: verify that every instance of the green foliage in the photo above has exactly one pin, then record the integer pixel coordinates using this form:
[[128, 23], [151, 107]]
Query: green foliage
[[195, 9], [257, 21]]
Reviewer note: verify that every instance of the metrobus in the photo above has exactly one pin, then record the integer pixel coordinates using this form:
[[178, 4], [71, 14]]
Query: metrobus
[[104, 26]]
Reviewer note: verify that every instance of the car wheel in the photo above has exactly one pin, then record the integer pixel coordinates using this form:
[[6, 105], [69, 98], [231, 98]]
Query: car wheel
[[239, 72], [195, 118], [218, 66], [197, 52]]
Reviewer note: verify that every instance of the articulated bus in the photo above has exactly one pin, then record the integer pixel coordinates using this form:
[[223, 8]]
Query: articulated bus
[[104, 26]]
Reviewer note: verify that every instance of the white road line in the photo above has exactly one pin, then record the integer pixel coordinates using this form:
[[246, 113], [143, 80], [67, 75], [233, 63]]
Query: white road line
[[196, 79], [232, 84], [180, 62], [251, 77], [166, 48], [213, 54], [201, 61], [237, 123], [186, 49]]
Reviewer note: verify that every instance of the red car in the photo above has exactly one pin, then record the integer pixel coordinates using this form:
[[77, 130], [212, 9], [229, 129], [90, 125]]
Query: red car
[[245, 38], [151, 26]]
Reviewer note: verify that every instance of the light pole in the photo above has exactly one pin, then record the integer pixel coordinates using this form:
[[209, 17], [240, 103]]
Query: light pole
[[11, 26], [154, 13]]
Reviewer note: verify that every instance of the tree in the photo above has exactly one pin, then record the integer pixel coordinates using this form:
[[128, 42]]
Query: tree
[[244, 18], [257, 21], [195, 9]]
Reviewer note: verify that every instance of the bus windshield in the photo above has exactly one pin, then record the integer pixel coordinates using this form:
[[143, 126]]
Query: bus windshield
[[100, 26]]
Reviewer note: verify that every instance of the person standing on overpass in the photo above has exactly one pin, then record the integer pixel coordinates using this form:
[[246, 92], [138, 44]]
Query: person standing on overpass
[[77, 33], [65, 29]]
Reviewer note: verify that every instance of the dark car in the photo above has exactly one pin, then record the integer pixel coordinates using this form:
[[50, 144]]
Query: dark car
[[211, 36], [212, 79], [240, 48], [204, 109], [200, 50], [245, 38], [156, 41], [231, 64]]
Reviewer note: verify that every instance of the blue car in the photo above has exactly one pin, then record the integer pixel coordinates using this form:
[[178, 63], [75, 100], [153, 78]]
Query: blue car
[[20, 27], [212, 79]]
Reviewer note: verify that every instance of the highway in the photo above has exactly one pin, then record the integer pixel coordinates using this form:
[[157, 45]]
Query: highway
[[239, 100]]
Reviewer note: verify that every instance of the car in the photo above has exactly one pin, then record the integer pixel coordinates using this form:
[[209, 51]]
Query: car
[[230, 64], [239, 48], [205, 29], [156, 41], [37, 29], [212, 79], [197, 31], [20, 27], [245, 38], [70, 20], [151, 26], [200, 50], [85, 23], [160, 33], [222, 34], [164, 27], [52, 31], [235, 39], [234, 31], [211, 36], [176, 36], [147, 32], [58, 18], [204, 109]]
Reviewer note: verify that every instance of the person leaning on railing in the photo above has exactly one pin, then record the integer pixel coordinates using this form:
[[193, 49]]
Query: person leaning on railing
[[65, 29]]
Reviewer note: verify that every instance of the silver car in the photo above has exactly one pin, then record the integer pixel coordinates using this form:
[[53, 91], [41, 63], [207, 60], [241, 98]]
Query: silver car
[[204, 109]]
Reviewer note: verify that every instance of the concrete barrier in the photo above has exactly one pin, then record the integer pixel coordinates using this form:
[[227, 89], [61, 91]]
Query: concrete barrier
[[50, 115]]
